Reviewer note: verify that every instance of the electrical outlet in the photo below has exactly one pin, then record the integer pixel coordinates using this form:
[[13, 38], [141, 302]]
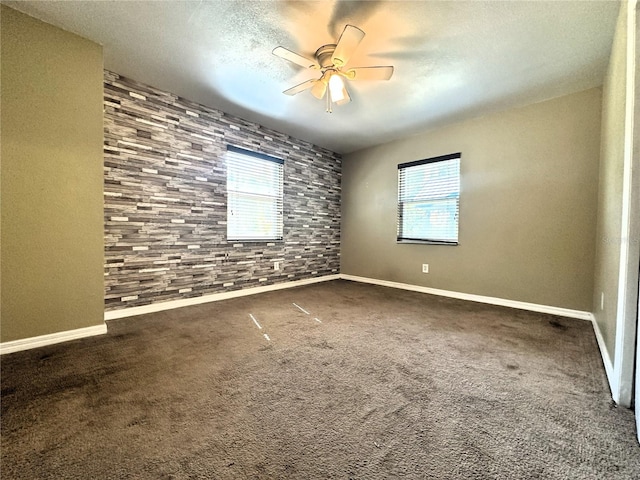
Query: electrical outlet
[[276, 265], [425, 268]]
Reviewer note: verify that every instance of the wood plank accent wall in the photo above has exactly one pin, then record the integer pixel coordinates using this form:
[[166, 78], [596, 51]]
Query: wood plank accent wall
[[165, 201]]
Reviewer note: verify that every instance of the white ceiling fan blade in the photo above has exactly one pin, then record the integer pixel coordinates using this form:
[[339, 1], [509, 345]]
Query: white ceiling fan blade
[[349, 40], [301, 87], [294, 58], [319, 89], [370, 73]]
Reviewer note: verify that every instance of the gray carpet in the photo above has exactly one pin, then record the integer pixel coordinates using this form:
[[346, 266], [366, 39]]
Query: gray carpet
[[372, 383]]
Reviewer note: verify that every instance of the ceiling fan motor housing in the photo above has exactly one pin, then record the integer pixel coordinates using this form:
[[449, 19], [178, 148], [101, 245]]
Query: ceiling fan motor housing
[[324, 55]]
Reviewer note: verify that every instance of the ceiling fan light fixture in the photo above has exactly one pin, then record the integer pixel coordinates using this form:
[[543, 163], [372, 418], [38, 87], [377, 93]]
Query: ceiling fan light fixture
[[330, 60], [337, 87]]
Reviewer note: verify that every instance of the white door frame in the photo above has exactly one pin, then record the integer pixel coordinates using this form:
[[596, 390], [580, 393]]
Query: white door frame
[[637, 393], [635, 207], [627, 307]]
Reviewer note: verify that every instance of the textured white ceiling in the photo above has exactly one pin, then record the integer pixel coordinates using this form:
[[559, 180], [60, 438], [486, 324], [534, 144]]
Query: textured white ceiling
[[453, 60]]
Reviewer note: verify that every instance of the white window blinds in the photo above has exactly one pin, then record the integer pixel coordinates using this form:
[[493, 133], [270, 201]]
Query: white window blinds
[[254, 195], [429, 199]]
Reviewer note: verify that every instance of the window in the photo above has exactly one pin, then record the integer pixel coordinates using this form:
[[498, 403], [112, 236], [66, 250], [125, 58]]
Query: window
[[254, 195], [429, 200]]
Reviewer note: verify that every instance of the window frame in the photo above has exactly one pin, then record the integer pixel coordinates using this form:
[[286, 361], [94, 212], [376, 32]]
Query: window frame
[[399, 219], [278, 198]]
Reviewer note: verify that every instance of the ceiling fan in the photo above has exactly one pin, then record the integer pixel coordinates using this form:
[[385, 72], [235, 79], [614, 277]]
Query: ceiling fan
[[331, 60]]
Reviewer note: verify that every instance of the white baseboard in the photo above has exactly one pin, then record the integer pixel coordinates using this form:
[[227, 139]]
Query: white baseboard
[[214, 297], [51, 338], [604, 353], [534, 307]]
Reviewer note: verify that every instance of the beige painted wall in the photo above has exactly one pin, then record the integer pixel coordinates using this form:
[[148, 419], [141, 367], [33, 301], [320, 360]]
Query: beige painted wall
[[529, 180], [51, 211], [608, 243]]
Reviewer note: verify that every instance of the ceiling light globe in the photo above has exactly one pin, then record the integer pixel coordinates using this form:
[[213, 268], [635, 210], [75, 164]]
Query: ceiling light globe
[[336, 86]]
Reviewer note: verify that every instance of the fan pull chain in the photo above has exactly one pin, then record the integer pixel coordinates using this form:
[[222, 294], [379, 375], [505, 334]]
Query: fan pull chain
[[329, 101]]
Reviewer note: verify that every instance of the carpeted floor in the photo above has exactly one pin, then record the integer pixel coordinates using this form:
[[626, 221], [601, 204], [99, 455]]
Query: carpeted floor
[[372, 383]]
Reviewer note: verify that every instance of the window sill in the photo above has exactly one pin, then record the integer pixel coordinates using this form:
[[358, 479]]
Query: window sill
[[428, 242], [254, 241]]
